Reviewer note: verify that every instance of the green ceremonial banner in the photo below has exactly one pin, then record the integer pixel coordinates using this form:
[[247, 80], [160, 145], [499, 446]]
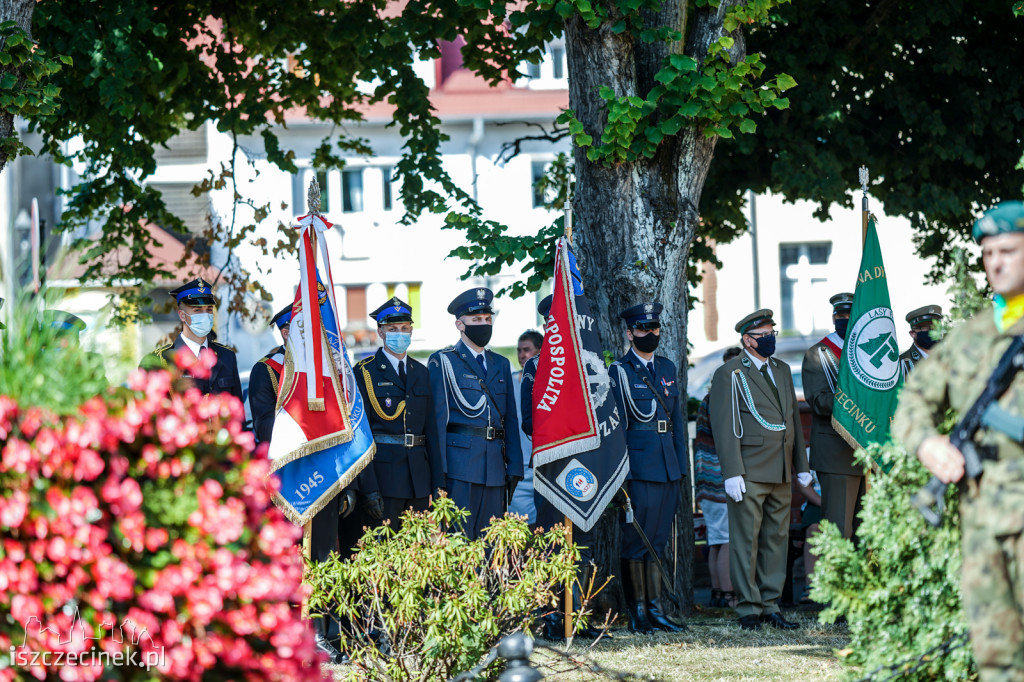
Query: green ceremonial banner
[[869, 370]]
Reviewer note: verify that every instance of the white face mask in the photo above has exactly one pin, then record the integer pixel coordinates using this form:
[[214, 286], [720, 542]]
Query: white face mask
[[202, 324]]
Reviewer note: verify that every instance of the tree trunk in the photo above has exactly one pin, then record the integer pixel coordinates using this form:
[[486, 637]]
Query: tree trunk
[[20, 12], [635, 222]]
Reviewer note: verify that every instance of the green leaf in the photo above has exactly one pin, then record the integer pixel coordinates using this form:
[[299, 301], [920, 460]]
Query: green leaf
[[671, 126], [683, 63], [748, 126], [8, 81], [785, 82], [584, 140]]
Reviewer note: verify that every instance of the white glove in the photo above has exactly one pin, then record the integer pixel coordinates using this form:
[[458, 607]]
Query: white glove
[[735, 487], [804, 479]]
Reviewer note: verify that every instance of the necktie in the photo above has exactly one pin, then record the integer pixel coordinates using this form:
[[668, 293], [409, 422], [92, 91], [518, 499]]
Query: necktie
[[650, 370], [401, 371], [483, 365], [768, 378]]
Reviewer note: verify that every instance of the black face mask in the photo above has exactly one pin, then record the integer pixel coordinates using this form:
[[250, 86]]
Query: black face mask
[[766, 346], [646, 344], [841, 326], [479, 334], [925, 339]]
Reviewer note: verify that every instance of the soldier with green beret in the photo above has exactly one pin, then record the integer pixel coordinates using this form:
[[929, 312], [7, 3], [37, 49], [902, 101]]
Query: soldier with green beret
[[991, 512], [922, 331]]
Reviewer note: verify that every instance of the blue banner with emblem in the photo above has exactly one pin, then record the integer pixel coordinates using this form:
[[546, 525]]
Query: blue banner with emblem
[[579, 440]]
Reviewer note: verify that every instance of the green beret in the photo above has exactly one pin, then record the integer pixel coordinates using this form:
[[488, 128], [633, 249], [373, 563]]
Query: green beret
[[1007, 216], [755, 319]]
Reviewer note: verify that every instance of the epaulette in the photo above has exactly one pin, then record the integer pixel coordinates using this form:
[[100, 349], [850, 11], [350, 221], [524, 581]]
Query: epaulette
[[365, 360], [161, 349], [447, 349], [230, 348]]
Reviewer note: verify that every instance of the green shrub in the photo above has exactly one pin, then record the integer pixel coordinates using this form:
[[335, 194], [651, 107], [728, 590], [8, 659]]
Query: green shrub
[[900, 588], [436, 602]]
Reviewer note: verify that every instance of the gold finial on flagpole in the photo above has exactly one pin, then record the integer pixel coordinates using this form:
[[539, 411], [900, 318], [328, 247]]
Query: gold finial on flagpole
[[568, 221], [864, 204], [313, 197]]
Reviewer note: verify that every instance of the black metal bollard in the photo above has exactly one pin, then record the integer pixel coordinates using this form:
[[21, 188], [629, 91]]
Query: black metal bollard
[[516, 649]]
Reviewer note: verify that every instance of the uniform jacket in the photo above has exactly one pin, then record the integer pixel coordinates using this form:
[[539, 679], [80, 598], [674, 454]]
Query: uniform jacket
[[526, 393], [653, 456], [264, 382], [401, 472], [909, 360], [746, 448], [830, 454], [468, 458], [223, 376], [954, 376]]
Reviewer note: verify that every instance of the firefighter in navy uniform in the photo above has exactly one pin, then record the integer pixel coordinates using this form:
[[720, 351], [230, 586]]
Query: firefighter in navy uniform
[[475, 409], [196, 304], [656, 437], [400, 407], [265, 380]]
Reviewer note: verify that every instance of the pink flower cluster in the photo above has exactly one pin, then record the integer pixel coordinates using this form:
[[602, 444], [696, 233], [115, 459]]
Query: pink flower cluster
[[149, 506]]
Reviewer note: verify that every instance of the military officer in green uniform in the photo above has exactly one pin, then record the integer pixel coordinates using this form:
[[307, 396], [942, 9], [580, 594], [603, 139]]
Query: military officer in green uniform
[[196, 304], [991, 513], [842, 480], [755, 421], [922, 331]]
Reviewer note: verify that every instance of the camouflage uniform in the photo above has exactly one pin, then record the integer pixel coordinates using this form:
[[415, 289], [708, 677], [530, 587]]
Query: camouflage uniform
[[992, 519]]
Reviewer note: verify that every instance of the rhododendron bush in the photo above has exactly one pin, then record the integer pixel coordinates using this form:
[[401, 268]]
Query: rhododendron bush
[[143, 521]]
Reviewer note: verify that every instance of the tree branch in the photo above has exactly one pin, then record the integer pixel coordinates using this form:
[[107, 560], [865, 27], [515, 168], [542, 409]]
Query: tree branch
[[512, 149]]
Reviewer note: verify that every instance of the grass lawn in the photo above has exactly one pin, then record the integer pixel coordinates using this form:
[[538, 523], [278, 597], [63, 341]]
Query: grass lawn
[[715, 648]]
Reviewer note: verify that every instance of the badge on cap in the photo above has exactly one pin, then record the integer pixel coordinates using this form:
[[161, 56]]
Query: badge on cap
[[648, 307], [481, 294], [202, 286]]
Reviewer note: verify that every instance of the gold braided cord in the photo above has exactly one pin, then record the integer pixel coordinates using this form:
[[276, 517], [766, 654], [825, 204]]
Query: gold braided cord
[[368, 380]]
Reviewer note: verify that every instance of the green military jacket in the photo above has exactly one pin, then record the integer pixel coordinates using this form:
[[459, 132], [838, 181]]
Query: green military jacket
[[755, 437], [830, 454], [909, 360], [954, 376]]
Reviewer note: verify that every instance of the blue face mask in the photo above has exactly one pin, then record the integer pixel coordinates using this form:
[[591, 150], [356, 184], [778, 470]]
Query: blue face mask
[[842, 324], [202, 324], [397, 342], [766, 346]]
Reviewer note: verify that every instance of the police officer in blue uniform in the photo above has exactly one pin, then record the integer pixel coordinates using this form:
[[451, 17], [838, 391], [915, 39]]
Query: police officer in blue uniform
[[265, 380], [647, 386], [196, 304], [400, 407], [475, 412]]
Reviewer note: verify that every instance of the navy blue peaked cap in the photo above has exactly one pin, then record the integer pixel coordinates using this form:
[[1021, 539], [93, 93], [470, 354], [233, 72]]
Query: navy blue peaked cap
[[643, 316], [395, 310], [544, 307], [196, 292], [472, 302]]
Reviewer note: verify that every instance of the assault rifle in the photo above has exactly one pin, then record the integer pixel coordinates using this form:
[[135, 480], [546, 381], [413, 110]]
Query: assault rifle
[[930, 500]]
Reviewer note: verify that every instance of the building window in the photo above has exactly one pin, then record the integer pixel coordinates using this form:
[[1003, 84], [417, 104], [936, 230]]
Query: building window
[[558, 61], [533, 70], [355, 306], [803, 273], [352, 191], [386, 187], [541, 191]]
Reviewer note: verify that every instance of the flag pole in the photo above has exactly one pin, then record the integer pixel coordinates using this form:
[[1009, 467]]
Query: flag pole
[[568, 522], [864, 206], [313, 206]]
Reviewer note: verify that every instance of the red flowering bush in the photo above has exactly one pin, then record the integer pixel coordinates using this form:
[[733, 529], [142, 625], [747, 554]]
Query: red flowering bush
[[143, 521]]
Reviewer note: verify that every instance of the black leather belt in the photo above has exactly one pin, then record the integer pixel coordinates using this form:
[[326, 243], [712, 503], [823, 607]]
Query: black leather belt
[[488, 432], [659, 425], [408, 440]]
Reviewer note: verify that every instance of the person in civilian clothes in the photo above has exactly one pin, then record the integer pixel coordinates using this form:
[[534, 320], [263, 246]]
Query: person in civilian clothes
[[399, 405], [710, 495], [656, 439], [196, 304], [475, 409], [529, 346], [755, 420]]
